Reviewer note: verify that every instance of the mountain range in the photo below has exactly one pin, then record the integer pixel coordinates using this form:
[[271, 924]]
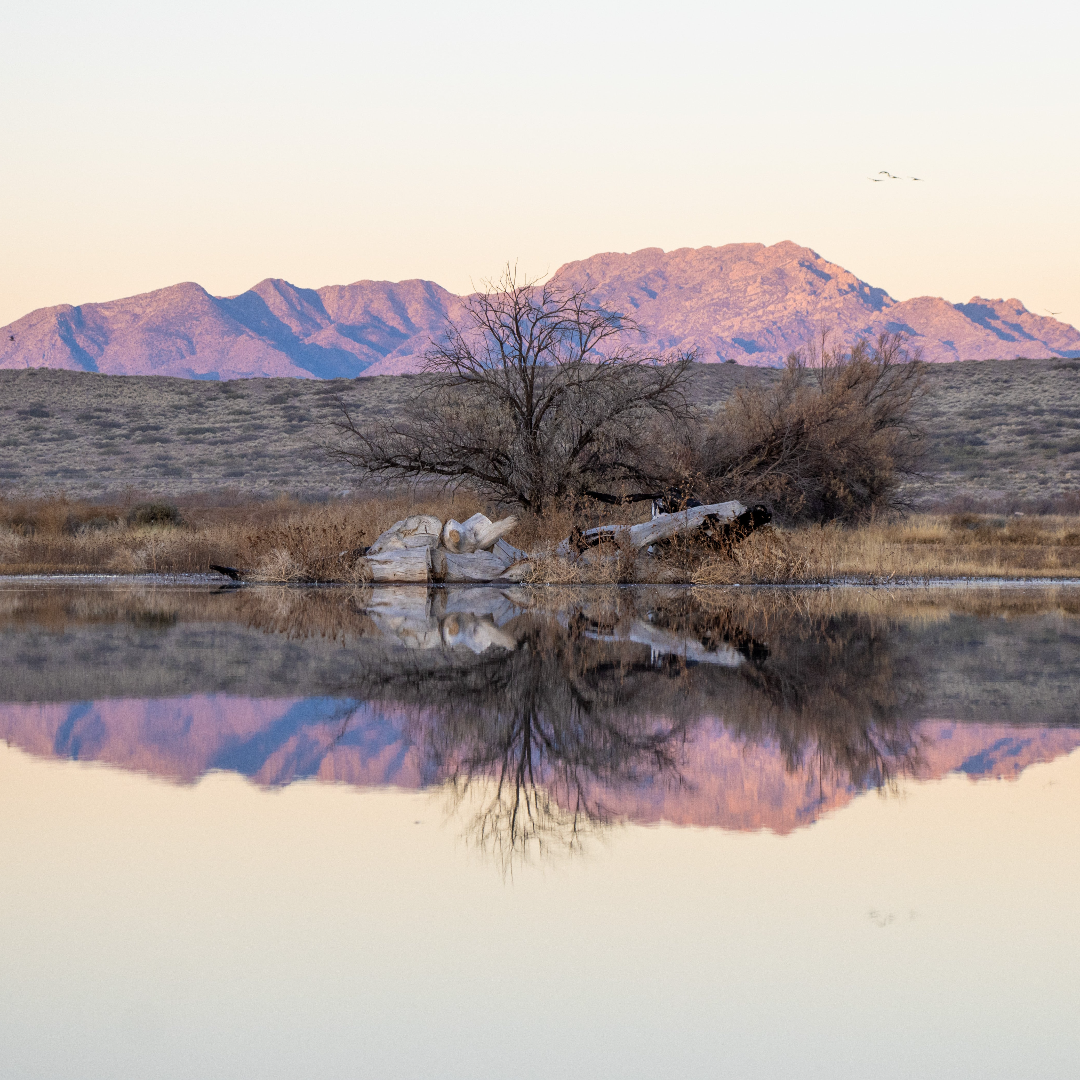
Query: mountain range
[[744, 302]]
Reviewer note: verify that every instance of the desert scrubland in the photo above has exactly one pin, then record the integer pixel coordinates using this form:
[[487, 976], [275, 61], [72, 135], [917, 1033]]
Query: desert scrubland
[[148, 474]]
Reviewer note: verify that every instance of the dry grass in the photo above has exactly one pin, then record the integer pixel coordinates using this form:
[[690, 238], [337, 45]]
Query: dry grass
[[282, 540], [923, 546], [285, 540]]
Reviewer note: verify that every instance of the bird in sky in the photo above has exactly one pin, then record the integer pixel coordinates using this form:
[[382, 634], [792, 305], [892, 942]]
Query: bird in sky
[[889, 176], [1047, 310]]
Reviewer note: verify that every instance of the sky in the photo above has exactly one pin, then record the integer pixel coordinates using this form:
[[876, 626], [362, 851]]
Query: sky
[[325, 143]]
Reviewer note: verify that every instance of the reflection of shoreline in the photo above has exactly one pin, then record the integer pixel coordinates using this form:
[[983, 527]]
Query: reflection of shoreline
[[725, 781]]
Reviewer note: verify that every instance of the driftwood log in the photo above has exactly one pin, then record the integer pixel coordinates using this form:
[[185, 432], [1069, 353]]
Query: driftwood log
[[418, 531], [661, 527], [477, 533]]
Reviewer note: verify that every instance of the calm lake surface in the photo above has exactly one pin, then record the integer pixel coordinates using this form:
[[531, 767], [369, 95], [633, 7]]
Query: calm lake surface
[[636, 832]]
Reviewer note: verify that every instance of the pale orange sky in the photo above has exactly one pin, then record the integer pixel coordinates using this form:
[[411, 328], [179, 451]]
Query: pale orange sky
[[228, 142]]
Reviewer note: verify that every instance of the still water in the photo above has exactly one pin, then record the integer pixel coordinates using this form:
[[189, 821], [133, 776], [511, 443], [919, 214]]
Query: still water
[[399, 832]]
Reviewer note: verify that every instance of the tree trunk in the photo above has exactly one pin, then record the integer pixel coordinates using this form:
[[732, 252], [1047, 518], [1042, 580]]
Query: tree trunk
[[472, 566], [508, 553]]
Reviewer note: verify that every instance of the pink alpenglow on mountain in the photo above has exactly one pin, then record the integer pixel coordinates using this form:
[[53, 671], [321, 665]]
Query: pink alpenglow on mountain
[[744, 302]]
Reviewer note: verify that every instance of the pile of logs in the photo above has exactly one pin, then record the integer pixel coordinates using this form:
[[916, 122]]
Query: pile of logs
[[422, 548]]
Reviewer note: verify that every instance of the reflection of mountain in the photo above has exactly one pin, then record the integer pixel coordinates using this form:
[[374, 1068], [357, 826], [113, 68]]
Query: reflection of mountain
[[723, 780]]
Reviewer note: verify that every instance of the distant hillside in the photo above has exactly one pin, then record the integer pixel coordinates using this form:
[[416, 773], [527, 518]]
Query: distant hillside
[[998, 431], [746, 302], [272, 330]]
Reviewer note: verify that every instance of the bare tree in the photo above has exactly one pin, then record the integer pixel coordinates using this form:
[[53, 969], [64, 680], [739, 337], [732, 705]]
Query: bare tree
[[830, 441], [532, 396]]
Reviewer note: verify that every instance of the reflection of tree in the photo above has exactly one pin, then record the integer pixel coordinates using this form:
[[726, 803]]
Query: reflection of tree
[[557, 736], [552, 714], [832, 694], [541, 740], [533, 739], [835, 694]]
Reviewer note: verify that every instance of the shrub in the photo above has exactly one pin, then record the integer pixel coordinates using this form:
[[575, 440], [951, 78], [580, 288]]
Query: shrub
[[830, 441], [155, 513]]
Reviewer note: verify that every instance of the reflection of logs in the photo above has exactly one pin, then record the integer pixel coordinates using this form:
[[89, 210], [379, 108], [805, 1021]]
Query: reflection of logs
[[478, 619], [691, 649], [478, 633]]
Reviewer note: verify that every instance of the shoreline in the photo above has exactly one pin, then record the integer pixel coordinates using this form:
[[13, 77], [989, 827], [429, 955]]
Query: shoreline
[[905, 584]]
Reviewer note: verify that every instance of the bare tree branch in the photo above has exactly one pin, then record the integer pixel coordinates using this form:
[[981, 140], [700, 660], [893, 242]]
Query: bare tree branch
[[532, 396]]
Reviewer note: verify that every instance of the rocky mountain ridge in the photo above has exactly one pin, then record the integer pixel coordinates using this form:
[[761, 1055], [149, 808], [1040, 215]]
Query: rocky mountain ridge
[[744, 302]]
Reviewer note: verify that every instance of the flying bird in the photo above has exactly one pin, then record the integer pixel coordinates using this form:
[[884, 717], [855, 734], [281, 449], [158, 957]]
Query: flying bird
[[915, 178], [885, 172], [1047, 310], [875, 180]]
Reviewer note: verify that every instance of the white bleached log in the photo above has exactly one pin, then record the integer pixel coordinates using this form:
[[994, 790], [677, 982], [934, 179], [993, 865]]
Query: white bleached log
[[418, 531], [475, 534], [662, 526], [471, 566], [508, 553], [401, 564]]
